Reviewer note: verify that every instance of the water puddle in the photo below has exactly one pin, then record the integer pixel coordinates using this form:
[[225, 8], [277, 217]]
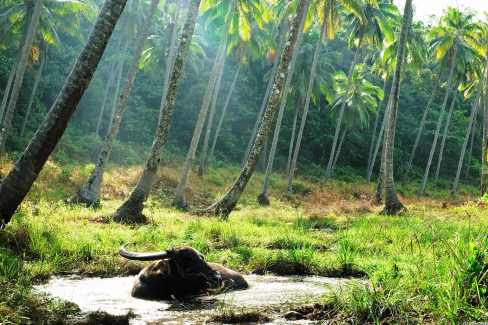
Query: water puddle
[[112, 295]]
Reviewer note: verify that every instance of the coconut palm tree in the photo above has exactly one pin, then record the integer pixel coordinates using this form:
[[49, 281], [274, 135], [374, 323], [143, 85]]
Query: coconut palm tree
[[392, 203], [15, 186], [228, 201], [131, 210], [371, 28], [451, 44], [233, 11], [362, 97], [34, 19], [89, 194]]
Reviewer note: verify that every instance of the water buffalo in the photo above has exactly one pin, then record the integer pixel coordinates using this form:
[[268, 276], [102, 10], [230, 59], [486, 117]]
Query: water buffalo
[[179, 273]]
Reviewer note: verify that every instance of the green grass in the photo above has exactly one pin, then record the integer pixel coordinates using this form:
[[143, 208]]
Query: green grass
[[428, 265]]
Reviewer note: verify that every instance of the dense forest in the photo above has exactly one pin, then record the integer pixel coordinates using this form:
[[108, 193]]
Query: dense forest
[[273, 101]]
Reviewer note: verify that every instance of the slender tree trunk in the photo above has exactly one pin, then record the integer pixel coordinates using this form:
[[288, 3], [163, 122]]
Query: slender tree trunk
[[89, 194], [170, 61], [179, 200], [444, 137], [131, 210], [211, 115], [311, 81], [471, 145], [328, 171], [263, 197], [15, 186], [266, 97], [378, 143], [420, 132], [439, 123], [392, 203], [224, 111], [33, 94], [484, 158], [6, 93], [474, 110], [291, 145], [373, 138], [339, 148], [19, 75], [118, 86], [227, 203], [108, 86]]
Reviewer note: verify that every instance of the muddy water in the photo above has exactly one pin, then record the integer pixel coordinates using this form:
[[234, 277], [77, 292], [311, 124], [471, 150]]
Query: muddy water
[[112, 295]]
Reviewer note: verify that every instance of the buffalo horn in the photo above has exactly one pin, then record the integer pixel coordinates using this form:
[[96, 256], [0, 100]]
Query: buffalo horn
[[142, 256]]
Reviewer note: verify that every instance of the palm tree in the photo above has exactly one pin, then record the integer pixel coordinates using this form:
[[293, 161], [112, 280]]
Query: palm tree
[[227, 203], [19, 74], [451, 44], [131, 210], [444, 136], [15, 186], [474, 110], [361, 96], [263, 196], [371, 28], [392, 203], [179, 200], [230, 94], [39, 18], [330, 22], [385, 65], [420, 131], [89, 194], [233, 9]]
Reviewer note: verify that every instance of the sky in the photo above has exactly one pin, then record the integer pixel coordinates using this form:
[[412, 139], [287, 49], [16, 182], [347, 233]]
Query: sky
[[426, 8]]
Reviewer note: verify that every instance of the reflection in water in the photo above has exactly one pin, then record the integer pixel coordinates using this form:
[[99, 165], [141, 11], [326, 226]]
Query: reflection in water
[[112, 295]]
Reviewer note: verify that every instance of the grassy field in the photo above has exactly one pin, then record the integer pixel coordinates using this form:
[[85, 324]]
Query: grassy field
[[428, 265]]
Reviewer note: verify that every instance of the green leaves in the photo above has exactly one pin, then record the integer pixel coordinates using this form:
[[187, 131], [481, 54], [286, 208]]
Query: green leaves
[[361, 96]]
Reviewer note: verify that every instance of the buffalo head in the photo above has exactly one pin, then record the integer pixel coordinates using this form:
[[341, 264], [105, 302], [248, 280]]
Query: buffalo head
[[179, 273]]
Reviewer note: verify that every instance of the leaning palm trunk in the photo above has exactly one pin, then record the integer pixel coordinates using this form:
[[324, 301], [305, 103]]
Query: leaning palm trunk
[[33, 94], [373, 138], [131, 209], [378, 143], [224, 111], [118, 86], [263, 197], [264, 102], [19, 74], [227, 203], [105, 100], [339, 148], [211, 115], [484, 158], [392, 203], [471, 145], [6, 93], [328, 171], [179, 200], [18, 182], [311, 81], [444, 137], [474, 110], [419, 132], [89, 194], [293, 134], [439, 123]]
